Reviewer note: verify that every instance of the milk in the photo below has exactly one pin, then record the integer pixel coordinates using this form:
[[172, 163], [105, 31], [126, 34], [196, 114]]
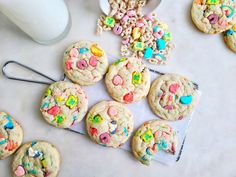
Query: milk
[[46, 21]]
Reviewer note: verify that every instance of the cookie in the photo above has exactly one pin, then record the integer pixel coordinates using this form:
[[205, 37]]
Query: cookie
[[213, 16], [172, 97], [36, 158], [64, 104], [230, 38], [11, 135], [128, 80], [85, 62], [152, 137], [109, 123]]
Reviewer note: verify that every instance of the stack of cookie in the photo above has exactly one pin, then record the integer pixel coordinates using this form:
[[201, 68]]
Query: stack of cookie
[[216, 16]]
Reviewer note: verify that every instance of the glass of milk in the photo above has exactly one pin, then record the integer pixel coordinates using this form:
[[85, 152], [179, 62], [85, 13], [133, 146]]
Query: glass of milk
[[45, 21]]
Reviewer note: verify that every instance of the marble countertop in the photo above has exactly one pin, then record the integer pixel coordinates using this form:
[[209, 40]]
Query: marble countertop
[[210, 145]]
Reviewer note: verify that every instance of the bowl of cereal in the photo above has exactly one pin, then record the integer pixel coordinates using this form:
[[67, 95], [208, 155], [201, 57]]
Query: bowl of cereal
[[148, 5]]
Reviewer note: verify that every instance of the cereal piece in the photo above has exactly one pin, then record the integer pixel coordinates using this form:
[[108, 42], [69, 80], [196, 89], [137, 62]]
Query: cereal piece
[[115, 125], [36, 158], [85, 63], [136, 33], [230, 38], [65, 106], [109, 21], [128, 80], [152, 137], [139, 46], [172, 97], [213, 16], [148, 52], [11, 135]]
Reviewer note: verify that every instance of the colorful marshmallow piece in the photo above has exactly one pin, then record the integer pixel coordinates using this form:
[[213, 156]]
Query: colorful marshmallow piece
[[112, 127], [229, 11], [136, 34], [161, 44], [155, 29], [229, 32], [159, 32], [147, 136], [128, 97], [96, 119], [234, 28], [174, 87], [186, 99], [2, 140], [148, 53], [68, 65], [96, 50], [138, 46], [129, 65], [20, 171], [167, 36], [74, 52], [168, 107], [112, 111], [136, 78], [93, 131], [83, 50], [44, 163], [212, 2], [9, 125], [59, 99], [48, 93], [126, 131], [117, 80], [119, 61], [72, 101], [109, 21], [131, 13], [223, 23], [93, 61], [54, 110], [59, 119], [31, 152], [151, 151], [159, 56]]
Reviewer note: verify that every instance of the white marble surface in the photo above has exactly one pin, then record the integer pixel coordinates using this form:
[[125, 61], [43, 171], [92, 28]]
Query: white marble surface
[[210, 146]]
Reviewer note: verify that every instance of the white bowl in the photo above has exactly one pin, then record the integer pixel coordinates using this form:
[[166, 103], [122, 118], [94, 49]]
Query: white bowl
[[150, 6]]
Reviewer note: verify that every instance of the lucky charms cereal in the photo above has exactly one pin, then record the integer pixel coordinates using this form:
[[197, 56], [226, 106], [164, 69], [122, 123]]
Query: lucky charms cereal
[[142, 36]]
